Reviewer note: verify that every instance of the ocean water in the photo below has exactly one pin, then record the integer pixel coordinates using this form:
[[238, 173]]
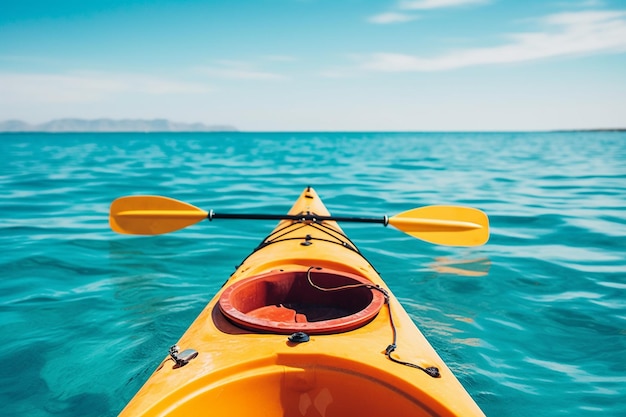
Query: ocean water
[[533, 323]]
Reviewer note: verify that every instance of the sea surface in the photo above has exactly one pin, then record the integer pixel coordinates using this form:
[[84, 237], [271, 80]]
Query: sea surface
[[533, 323]]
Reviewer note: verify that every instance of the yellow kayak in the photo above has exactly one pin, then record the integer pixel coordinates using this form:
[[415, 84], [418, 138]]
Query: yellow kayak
[[304, 327]]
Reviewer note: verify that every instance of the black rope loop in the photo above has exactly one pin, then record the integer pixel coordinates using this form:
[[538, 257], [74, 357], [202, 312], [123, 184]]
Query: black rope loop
[[431, 370]]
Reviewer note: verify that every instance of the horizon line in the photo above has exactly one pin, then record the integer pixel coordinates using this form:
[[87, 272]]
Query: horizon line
[[237, 131]]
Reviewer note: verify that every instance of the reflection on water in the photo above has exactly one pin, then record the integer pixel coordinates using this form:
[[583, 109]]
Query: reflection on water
[[466, 267]]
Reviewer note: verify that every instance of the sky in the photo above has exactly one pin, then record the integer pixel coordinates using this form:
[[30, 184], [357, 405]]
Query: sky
[[318, 65]]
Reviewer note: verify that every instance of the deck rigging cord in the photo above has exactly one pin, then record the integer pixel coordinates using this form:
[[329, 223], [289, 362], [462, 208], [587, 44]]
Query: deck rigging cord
[[431, 370], [336, 237]]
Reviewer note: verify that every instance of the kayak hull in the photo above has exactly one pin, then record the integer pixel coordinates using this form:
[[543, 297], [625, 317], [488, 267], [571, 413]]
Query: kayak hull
[[329, 388], [245, 370]]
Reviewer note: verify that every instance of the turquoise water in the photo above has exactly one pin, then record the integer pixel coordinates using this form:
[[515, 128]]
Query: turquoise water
[[533, 323]]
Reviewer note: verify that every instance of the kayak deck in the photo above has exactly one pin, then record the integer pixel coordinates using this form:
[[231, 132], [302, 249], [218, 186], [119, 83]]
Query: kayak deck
[[249, 364]]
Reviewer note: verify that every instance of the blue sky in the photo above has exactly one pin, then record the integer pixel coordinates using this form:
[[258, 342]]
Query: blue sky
[[294, 65]]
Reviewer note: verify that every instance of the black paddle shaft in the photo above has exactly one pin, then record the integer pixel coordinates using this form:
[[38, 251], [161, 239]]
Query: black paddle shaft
[[298, 217]]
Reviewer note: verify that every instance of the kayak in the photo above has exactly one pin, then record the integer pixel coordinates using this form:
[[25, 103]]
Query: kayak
[[304, 327]]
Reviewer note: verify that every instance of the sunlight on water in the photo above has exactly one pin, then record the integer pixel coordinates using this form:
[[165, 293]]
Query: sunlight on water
[[533, 323]]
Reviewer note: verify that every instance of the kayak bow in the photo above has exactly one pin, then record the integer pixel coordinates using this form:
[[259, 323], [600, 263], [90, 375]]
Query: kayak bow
[[304, 327]]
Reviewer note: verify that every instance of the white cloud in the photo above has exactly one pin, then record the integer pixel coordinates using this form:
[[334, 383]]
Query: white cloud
[[239, 74], [81, 87], [401, 16], [391, 17], [437, 4], [280, 58], [566, 34], [238, 70]]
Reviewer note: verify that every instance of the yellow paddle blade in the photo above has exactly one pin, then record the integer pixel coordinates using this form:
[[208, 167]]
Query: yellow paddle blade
[[152, 215], [445, 225]]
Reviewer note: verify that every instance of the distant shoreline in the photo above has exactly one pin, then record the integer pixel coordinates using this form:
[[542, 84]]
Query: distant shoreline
[[166, 126], [618, 129], [109, 126]]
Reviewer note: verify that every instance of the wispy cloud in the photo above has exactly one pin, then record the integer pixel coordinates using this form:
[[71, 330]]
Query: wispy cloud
[[239, 70], [400, 15], [392, 17], [79, 87], [565, 34], [437, 4]]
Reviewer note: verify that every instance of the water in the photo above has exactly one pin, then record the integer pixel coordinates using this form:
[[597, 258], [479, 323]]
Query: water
[[533, 323]]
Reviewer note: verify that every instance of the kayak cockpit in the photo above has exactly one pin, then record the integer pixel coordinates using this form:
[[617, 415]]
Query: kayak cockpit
[[314, 301]]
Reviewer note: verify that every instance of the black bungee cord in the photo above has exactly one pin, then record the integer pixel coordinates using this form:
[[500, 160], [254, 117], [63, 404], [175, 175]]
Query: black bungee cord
[[431, 370]]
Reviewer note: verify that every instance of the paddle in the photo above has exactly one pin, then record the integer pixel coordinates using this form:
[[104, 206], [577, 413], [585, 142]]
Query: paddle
[[443, 225]]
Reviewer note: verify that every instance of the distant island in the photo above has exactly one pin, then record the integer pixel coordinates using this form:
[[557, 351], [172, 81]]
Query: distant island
[[111, 125]]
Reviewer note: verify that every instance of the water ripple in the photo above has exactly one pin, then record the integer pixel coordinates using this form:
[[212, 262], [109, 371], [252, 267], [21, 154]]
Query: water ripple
[[534, 323]]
